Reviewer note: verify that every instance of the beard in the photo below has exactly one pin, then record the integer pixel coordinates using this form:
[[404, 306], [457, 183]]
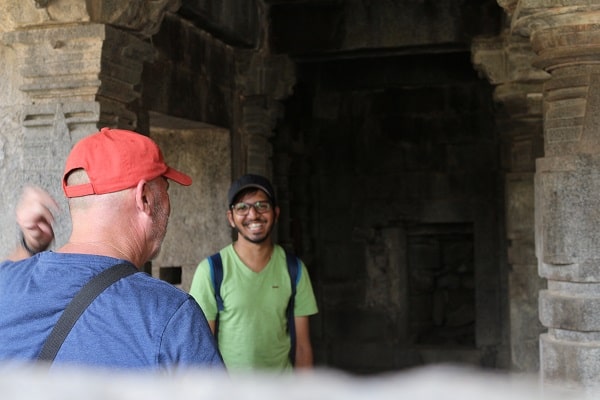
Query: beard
[[255, 239]]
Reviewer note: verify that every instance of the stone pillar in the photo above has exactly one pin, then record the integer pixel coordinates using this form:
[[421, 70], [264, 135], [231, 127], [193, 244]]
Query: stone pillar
[[79, 66], [262, 82], [566, 39], [506, 61]]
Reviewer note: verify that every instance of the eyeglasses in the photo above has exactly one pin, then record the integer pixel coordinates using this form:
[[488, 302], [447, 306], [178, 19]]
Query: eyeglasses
[[243, 209]]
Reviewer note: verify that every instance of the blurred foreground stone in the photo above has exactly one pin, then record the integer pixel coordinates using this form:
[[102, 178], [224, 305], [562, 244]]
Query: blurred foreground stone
[[429, 383]]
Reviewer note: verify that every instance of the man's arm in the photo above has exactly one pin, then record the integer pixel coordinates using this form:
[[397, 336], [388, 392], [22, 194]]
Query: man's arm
[[35, 218], [212, 326], [187, 340], [203, 291], [304, 354]]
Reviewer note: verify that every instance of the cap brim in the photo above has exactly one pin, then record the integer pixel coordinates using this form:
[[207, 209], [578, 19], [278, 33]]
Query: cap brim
[[178, 177], [250, 185]]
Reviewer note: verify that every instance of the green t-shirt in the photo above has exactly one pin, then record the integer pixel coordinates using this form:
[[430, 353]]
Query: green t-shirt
[[253, 325]]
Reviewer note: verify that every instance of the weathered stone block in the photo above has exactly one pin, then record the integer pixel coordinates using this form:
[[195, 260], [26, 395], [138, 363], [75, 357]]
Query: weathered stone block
[[570, 363], [198, 225], [567, 191], [572, 306]]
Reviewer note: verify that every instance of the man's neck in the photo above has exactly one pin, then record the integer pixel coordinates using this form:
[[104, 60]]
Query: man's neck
[[255, 256], [101, 247]]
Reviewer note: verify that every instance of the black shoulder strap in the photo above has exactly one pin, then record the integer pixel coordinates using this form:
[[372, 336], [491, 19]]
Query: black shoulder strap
[[216, 273], [77, 306], [216, 265], [293, 265]]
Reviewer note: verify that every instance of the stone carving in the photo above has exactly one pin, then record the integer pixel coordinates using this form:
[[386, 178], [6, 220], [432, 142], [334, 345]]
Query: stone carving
[[46, 135], [142, 16], [78, 67]]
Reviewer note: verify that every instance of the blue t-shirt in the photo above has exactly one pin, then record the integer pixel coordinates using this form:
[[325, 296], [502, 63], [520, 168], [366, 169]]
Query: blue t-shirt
[[137, 323]]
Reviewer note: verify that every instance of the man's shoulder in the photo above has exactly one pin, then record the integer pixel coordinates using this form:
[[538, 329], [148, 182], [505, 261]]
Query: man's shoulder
[[8, 264], [282, 255], [155, 297], [227, 250], [16, 271], [152, 286], [226, 255]]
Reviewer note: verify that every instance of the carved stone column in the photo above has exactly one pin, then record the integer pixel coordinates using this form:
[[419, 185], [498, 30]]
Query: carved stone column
[[78, 65], [506, 61], [566, 39], [262, 81]]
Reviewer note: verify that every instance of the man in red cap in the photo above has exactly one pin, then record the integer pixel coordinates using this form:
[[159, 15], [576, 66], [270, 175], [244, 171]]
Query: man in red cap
[[116, 183]]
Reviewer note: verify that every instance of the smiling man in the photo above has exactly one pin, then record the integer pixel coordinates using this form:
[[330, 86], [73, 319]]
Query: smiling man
[[257, 298]]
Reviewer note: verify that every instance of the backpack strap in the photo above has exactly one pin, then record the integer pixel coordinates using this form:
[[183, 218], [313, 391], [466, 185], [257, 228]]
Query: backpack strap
[[216, 274], [293, 265], [78, 305]]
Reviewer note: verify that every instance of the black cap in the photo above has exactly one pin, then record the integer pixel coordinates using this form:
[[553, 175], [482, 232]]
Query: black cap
[[251, 181]]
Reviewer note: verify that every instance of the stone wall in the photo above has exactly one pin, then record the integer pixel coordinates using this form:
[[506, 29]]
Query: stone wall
[[396, 207], [16, 158], [188, 93], [192, 80], [198, 225]]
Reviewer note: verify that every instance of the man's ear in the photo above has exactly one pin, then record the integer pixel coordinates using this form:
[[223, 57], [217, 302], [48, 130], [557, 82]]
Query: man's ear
[[143, 197], [230, 219], [277, 210]]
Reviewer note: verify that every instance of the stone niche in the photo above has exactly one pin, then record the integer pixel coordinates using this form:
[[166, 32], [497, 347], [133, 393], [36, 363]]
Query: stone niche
[[441, 292]]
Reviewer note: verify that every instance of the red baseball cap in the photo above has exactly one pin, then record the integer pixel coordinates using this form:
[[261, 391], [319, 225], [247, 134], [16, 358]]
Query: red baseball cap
[[115, 160]]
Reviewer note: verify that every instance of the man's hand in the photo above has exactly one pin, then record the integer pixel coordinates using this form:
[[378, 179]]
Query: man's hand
[[35, 217]]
